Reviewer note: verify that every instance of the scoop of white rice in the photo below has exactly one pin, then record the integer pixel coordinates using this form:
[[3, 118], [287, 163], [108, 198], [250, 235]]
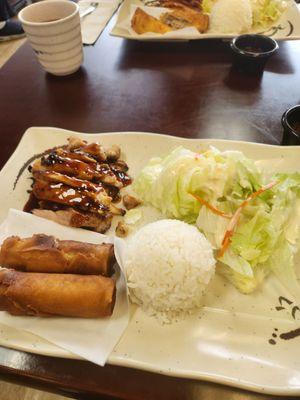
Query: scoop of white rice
[[169, 264], [231, 16]]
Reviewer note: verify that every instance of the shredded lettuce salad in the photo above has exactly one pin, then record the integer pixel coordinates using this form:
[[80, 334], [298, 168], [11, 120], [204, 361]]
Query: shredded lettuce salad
[[264, 12], [253, 224]]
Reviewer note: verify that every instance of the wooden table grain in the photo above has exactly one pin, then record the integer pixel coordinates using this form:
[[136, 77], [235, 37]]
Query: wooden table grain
[[184, 89]]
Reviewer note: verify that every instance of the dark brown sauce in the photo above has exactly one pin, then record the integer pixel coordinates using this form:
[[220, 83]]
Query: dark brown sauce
[[120, 168], [67, 195], [31, 203], [51, 159], [103, 168], [79, 155], [296, 126], [27, 165], [253, 49], [68, 166], [34, 203], [123, 177], [113, 192], [119, 165], [50, 205]]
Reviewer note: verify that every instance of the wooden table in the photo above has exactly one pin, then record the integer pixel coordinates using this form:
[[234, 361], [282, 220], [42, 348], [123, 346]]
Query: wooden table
[[182, 89]]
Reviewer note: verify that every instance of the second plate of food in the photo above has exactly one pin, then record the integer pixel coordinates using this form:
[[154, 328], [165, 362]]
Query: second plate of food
[[216, 19]]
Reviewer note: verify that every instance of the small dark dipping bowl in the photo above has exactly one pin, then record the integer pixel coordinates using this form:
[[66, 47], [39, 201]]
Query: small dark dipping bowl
[[251, 52], [291, 126]]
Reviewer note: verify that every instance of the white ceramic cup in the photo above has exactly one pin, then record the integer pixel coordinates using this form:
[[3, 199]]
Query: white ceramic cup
[[53, 29]]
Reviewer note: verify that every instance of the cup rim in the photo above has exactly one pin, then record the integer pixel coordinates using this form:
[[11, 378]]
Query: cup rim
[[50, 23], [285, 123], [249, 54]]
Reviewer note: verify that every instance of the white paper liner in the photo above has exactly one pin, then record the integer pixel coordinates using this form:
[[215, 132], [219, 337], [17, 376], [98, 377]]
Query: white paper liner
[[92, 339]]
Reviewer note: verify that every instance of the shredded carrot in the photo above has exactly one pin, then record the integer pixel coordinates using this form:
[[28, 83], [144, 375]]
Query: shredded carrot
[[235, 218], [211, 207], [258, 192], [229, 232]]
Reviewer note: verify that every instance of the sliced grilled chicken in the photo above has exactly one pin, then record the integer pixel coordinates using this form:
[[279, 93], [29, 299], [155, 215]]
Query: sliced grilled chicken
[[69, 196], [75, 142], [77, 184], [76, 155], [99, 203], [54, 162], [56, 178], [77, 219], [113, 153], [79, 169]]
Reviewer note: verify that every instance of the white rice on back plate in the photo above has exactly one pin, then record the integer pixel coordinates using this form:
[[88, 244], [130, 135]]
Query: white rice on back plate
[[169, 264], [231, 16]]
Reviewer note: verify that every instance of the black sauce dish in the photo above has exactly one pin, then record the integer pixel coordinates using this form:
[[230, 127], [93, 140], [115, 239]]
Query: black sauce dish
[[291, 126], [251, 52]]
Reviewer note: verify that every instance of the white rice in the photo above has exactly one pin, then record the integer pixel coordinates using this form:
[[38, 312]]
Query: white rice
[[231, 16], [169, 264]]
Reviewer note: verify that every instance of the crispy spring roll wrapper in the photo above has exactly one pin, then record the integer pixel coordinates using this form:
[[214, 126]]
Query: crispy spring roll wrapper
[[46, 295], [42, 253]]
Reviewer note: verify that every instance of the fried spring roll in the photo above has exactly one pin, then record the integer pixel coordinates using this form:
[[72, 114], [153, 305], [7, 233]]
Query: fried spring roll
[[42, 253], [46, 295]]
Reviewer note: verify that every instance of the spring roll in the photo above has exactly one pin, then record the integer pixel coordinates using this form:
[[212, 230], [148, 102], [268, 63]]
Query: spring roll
[[42, 253], [46, 295]]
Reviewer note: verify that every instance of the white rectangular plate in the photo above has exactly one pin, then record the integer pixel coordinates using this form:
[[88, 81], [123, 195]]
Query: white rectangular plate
[[286, 28], [227, 341]]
